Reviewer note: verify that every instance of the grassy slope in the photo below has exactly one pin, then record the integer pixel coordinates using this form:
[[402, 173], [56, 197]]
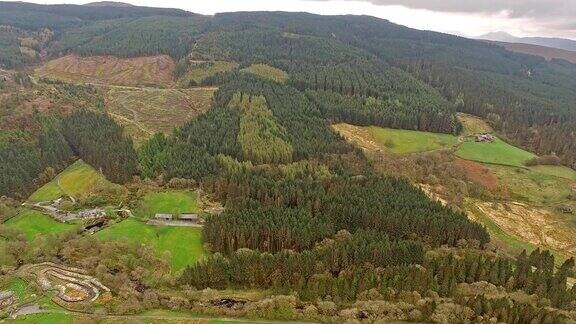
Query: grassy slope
[[497, 152], [183, 243], [473, 125], [203, 70], [170, 202], [78, 180], [533, 186], [400, 141], [19, 287], [511, 244], [46, 318], [557, 171], [267, 72], [33, 223]]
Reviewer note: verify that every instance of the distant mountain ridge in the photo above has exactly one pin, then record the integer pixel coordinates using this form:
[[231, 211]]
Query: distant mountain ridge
[[108, 4], [560, 43], [546, 52]]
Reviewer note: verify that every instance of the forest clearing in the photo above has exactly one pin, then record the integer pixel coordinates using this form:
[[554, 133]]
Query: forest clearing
[[146, 111], [142, 71]]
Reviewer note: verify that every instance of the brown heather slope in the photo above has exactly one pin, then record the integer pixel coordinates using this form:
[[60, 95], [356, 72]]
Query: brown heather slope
[[478, 173], [548, 53], [140, 71]]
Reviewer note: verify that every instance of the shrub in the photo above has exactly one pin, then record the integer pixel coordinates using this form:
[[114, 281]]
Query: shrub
[[551, 159]]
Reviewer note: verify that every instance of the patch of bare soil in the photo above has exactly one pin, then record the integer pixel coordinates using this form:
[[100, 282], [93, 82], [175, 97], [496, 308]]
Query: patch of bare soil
[[531, 224], [478, 173], [432, 193], [140, 71], [359, 136]]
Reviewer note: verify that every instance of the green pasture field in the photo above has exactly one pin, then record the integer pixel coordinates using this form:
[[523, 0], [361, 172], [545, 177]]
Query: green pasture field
[[183, 243], [534, 186], [33, 223], [400, 141], [497, 152], [556, 170], [173, 202], [78, 180]]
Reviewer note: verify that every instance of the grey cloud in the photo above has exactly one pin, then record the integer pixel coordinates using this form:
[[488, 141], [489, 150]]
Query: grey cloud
[[516, 8], [549, 16]]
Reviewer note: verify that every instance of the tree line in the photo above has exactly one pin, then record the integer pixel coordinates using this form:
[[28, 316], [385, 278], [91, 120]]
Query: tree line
[[347, 266]]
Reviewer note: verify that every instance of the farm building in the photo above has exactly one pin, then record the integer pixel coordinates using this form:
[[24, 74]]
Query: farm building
[[164, 217], [485, 138], [189, 217]]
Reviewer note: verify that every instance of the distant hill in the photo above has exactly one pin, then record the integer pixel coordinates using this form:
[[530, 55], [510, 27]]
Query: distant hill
[[560, 43], [108, 4], [30, 16], [548, 53]]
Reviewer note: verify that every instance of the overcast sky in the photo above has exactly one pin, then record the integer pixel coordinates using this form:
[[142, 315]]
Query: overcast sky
[[469, 17]]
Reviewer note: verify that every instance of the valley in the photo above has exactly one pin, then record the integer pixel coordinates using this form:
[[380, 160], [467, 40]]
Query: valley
[[163, 166]]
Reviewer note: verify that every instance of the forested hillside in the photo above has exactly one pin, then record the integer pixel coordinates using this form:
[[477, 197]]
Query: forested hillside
[[62, 27], [258, 195], [529, 99]]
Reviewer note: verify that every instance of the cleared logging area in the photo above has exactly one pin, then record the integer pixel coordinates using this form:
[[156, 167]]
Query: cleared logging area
[[139, 71], [262, 140], [146, 111]]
